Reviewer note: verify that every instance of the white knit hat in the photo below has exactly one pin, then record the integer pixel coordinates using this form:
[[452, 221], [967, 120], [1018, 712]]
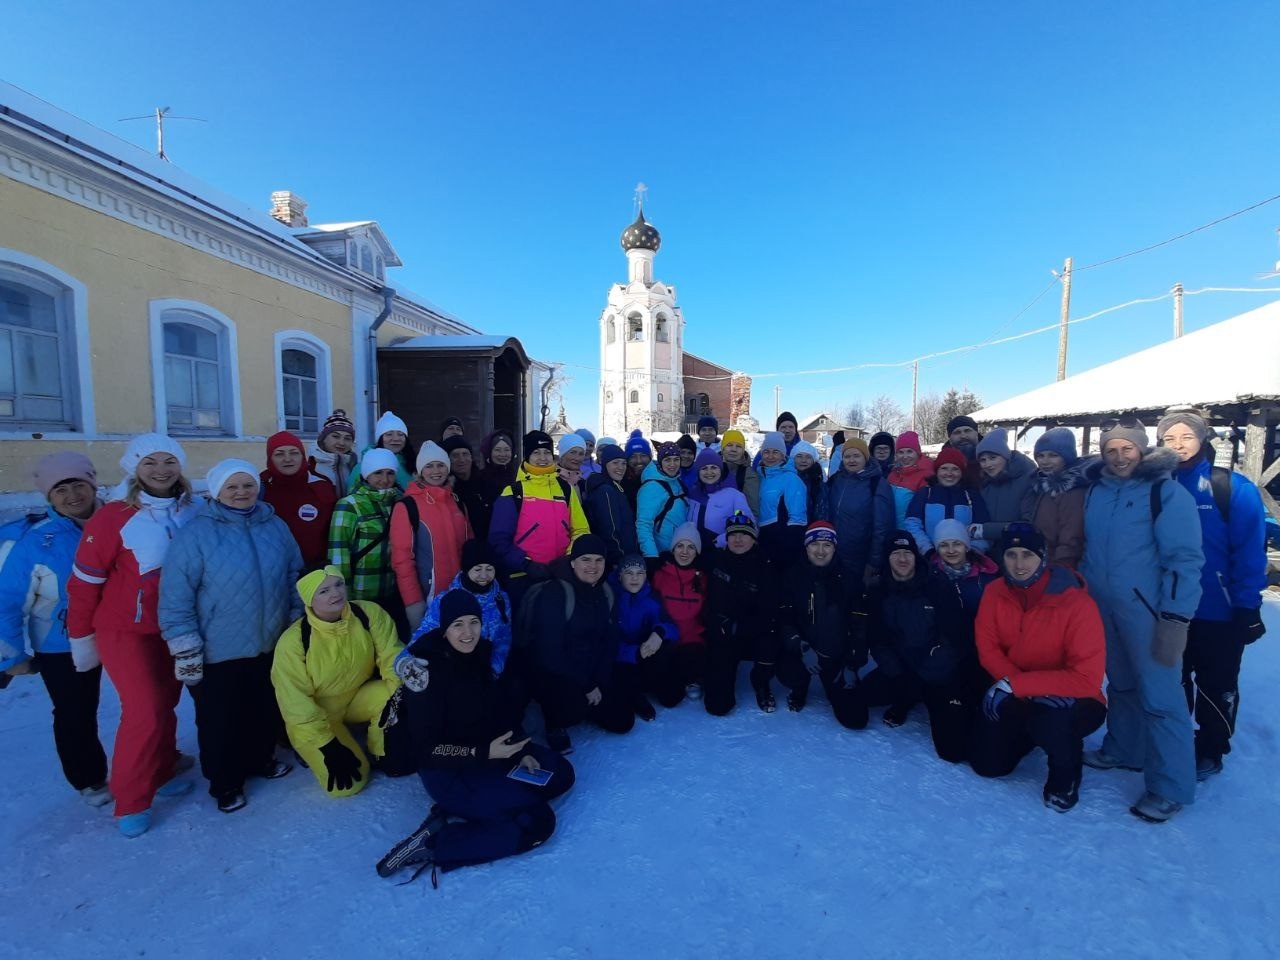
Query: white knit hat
[[388, 421], [145, 444], [377, 458], [571, 441], [224, 470], [431, 452]]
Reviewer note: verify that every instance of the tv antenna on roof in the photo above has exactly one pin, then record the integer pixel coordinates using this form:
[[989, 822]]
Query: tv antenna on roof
[[161, 114]]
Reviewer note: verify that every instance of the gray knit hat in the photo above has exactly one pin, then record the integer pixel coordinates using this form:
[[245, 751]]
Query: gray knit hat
[[1189, 417], [1124, 428]]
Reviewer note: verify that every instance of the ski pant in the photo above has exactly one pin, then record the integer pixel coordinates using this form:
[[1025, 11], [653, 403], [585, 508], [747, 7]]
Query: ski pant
[[363, 705], [724, 652], [657, 676], [849, 708], [498, 817], [235, 722], [1210, 680], [1023, 725], [564, 703], [75, 718], [1148, 726], [691, 663], [783, 543], [146, 749], [952, 706]]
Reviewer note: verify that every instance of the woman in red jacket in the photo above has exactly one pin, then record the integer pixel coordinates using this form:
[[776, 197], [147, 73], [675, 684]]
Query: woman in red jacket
[[111, 618], [1039, 632], [302, 498]]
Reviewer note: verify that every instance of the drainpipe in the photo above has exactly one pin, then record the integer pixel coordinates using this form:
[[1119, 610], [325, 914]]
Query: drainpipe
[[388, 295]]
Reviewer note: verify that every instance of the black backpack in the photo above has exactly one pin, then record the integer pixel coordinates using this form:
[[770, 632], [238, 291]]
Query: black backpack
[[1219, 483], [524, 619], [672, 500], [306, 626]]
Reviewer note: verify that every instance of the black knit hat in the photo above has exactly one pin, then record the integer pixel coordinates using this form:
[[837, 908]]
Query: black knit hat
[[900, 540], [961, 421], [1022, 534], [476, 552], [687, 442], [450, 422], [536, 440], [456, 442], [589, 545], [458, 603], [786, 416]]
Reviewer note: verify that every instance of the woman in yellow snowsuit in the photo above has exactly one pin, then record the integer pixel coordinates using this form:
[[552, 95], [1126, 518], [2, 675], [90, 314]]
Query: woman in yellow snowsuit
[[335, 667]]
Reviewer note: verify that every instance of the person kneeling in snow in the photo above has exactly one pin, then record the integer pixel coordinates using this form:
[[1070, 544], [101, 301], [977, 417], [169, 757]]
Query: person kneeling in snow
[[470, 749], [334, 667], [1039, 631], [648, 663]]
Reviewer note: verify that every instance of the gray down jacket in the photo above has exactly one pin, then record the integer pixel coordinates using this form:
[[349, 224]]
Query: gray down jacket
[[227, 585]]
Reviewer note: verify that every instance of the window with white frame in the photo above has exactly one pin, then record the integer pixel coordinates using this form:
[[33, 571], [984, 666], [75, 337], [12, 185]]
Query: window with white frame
[[366, 258], [635, 396], [37, 351], [197, 389], [660, 329], [300, 384]]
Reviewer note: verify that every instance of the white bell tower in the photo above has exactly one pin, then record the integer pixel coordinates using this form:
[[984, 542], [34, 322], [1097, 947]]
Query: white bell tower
[[641, 343]]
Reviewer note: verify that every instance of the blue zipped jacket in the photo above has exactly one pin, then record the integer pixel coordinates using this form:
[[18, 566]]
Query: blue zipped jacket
[[33, 588], [782, 485]]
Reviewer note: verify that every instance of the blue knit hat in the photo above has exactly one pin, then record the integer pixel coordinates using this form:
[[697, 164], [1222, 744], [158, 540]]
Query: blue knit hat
[[636, 443], [608, 452], [709, 421], [586, 434], [1061, 441]]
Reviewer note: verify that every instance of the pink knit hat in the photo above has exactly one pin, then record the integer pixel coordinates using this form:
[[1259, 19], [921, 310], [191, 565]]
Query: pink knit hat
[[53, 468]]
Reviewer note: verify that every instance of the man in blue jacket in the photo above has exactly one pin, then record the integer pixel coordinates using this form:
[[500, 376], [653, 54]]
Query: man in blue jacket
[[1142, 561], [1233, 525]]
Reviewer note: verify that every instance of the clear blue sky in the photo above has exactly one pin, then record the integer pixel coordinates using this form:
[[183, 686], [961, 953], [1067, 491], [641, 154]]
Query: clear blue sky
[[836, 183]]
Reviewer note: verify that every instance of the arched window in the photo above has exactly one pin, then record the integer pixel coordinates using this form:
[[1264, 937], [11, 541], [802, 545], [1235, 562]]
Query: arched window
[[635, 396], [660, 329], [610, 330], [302, 381], [659, 398], [39, 365], [635, 327], [353, 255], [197, 385]]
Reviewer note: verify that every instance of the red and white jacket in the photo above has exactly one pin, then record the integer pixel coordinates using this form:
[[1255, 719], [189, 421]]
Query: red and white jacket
[[115, 582]]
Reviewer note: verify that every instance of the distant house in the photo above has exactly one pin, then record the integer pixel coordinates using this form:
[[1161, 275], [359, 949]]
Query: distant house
[[134, 297], [817, 425]]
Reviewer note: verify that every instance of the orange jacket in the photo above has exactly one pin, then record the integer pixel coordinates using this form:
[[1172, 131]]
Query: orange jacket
[[426, 560], [1055, 646]]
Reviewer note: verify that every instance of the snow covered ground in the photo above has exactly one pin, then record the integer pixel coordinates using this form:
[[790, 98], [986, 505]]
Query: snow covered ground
[[750, 836]]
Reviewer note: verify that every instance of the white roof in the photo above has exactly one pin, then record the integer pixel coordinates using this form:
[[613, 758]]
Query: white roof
[[450, 342], [1218, 364]]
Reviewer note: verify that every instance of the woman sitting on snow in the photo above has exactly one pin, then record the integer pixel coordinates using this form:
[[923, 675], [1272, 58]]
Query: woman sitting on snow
[[468, 743]]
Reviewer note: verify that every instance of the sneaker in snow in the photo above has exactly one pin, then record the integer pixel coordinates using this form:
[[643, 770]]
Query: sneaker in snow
[[416, 848], [558, 740], [693, 691], [644, 709], [277, 769], [796, 701], [231, 802], [1104, 761], [134, 824], [1062, 800], [1154, 808], [96, 796], [766, 701], [1206, 767]]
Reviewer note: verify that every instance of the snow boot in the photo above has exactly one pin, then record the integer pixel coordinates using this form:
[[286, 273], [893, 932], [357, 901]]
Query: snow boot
[[232, 801], [96, 796], [765, 699], [644, 709], [558, 740], [1206, 767], [1104, 761], [277, 769], [693, 691], [175, 788], [1154, 808], [796, 700], [1062, 800], [416, 848], [134, 824]]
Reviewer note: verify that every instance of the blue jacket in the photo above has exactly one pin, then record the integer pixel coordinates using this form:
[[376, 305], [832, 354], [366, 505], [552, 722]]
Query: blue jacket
[[656, 489], [640, 614], [228, 583], [934, 503], [495, 619], [1235, 554], [1127, 558], [862, 518], [33, 588], [781, 485]]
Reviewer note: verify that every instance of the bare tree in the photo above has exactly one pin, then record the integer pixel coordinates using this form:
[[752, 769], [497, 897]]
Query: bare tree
[[885, 414], [852, 414], [930, 423]]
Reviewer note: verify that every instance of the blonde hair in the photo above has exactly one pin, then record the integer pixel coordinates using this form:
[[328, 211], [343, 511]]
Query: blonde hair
[[181, 486]]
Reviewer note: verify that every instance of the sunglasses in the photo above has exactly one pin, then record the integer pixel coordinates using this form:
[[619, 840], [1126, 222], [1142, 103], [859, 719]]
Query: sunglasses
[[1128, 422]]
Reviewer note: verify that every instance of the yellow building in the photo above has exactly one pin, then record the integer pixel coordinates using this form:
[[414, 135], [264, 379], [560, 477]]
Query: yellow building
[[134, 297]]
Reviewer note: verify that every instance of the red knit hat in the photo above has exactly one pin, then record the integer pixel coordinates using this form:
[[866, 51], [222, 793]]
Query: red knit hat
[[909, 440], [283, 439], [949, 455]]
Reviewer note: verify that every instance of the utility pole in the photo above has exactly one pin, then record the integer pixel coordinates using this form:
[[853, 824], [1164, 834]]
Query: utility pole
[[1177, 310], [1066, 312], [777, 402], [915, 384]]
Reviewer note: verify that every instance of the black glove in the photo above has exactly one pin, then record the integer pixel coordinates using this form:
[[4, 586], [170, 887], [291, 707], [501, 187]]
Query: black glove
[[1248, 623], [536, 571], [342, 764]]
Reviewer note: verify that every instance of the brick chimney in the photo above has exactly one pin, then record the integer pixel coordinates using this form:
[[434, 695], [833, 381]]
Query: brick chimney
[[289, 208], [739, 397]]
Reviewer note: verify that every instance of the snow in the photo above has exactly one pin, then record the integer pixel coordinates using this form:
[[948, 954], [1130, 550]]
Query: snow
[[752, 835], [1231, 359]]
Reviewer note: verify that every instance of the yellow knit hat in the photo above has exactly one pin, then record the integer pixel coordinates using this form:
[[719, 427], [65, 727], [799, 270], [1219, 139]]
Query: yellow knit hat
[[733, 436], [309, 584]]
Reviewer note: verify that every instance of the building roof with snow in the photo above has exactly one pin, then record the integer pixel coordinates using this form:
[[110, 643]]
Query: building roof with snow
[[1225, 365]]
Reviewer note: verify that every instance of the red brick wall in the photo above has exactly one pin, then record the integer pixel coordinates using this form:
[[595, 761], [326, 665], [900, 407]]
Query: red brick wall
[[717, 391]]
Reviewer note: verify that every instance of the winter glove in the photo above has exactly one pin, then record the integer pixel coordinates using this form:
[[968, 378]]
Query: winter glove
[[997, 694], [1170, 639], [84, 653], [1248, 623], [188, 666], [412, 672], [809, 657], [413, 613], [342, 764], [536, 571], [1055, 701]]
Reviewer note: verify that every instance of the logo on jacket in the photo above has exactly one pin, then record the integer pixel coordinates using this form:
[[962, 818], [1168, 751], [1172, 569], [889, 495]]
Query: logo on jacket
[[308, 512]]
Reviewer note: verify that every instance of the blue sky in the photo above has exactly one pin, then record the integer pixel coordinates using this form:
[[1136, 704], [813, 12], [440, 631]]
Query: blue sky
[[836, 183]]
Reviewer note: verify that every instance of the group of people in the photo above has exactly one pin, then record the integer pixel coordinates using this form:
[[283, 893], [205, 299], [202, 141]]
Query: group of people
[[399, 609]]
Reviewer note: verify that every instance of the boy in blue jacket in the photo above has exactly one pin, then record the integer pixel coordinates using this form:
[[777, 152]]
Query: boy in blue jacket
[[647, 644]]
